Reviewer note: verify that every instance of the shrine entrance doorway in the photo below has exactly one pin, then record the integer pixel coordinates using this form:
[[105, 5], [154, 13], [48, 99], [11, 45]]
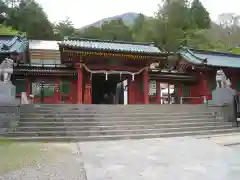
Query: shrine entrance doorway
[[106, 90]]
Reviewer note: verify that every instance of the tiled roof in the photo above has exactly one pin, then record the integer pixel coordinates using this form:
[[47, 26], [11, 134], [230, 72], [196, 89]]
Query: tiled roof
[[115, 46], [211, 58], [10, 44]]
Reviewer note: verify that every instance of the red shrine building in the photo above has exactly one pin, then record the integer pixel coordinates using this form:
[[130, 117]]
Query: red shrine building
[[90, 71]]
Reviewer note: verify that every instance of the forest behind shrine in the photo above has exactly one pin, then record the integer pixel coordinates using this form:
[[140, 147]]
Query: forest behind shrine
[[175, 24]]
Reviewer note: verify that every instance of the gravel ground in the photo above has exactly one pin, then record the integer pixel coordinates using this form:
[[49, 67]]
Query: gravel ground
[[68, 166]]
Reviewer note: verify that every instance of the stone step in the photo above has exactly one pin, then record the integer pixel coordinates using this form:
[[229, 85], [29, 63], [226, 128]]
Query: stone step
[[120, 137], [87, 114], [87, 106], [114, 118], [112, 123], [159, 109], [66, 127], [177, 107], [115, 131]]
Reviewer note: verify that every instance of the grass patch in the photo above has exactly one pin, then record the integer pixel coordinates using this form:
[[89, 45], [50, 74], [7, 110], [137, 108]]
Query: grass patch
[[16, 155]]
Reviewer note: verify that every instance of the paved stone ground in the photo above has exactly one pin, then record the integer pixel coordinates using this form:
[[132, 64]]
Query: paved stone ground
[[226, 140], [166, 159], [68, 166], [183, 158]]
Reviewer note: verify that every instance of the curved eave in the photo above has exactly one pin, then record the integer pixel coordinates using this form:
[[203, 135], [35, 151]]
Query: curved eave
[[74, 48]]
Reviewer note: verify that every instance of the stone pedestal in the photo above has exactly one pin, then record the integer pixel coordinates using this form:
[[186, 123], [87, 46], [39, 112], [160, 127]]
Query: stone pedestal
[[222, 96], [7, 93], [9, 109]]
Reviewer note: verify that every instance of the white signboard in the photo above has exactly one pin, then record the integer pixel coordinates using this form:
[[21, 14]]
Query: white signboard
[[152, 88]]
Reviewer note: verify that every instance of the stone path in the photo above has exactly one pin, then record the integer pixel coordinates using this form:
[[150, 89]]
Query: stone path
[[68, 166], [166, 159], [183, 158]]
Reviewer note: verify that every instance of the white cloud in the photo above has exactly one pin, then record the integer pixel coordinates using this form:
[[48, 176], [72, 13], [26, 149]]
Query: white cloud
[[83, 12]]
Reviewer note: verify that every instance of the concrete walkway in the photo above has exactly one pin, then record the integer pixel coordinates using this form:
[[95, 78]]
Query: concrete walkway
[[182, 158], [166, 159]]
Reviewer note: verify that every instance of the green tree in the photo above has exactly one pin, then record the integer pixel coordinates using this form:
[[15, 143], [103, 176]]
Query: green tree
[[138, 24], [4, 30], [200, 15], [3, 11], [173, 21], [112, 30], [116, 30], [65, 28], [92, 32], [29, 17]]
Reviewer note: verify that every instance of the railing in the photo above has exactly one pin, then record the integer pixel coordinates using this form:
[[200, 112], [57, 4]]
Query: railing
[[204, 98]]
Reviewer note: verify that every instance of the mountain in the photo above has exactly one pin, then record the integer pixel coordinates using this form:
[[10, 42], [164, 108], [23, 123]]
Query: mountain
[[128, 19]]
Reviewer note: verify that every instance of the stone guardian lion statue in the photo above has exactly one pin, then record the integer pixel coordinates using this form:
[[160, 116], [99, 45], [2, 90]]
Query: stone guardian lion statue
[[221, 79], [6, 69]]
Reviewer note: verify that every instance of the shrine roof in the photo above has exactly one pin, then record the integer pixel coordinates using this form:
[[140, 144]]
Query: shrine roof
[[12, 44], [110, 46], [210, 58]]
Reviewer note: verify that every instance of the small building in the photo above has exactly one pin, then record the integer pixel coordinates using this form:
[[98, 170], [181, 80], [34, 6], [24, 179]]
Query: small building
[[205, 64]]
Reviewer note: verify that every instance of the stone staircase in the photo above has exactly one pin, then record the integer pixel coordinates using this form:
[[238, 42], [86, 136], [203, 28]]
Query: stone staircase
[[111, 122]]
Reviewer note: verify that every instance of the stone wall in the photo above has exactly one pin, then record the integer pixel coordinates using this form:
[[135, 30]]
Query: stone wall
[[9, 117]]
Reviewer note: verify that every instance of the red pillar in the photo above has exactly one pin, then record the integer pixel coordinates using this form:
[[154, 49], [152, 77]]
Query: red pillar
[[28, 87], [88, 91], [145, 87], [79, 86], [205, 85]]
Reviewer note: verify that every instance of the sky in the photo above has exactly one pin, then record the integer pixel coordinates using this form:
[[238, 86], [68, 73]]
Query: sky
[[84, 12]]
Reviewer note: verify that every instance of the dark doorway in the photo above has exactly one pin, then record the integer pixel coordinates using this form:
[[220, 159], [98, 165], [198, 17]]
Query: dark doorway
[[104, 91]]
